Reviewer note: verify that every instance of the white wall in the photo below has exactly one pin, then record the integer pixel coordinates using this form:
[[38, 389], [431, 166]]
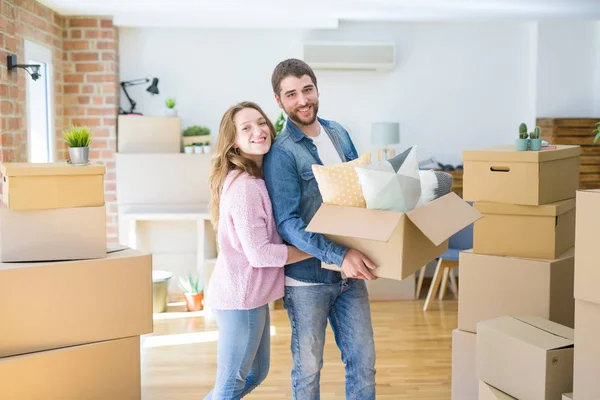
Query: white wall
[[469, 84], [567, 82]]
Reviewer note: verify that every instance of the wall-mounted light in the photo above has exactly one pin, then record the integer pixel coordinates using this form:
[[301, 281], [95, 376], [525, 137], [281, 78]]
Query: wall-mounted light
[[11, 62], [152, 89]]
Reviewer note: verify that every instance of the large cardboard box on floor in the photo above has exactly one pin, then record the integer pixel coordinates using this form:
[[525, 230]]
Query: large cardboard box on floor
[[529, 358], [44, 186], [587, 266], [488, 392], [103, 370], [464, 366], [52, 305], [51, 235], [493, 286], [545, 231], [586, 385], [149, 134], [397, 243], [503, 175]]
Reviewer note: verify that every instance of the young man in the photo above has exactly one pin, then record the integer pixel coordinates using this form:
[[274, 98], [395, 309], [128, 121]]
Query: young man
[[313, 294]]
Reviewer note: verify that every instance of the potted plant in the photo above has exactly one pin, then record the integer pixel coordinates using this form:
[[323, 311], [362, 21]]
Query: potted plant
[[193, 292], [188, 148], [171, 110], [597, 131], [522, 142], [198, 148], [196, 134], [207, 147], [279, 124], [535, 143], [78, 139]]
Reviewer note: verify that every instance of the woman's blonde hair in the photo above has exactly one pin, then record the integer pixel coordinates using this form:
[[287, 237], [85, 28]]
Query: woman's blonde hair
[[226, 159]]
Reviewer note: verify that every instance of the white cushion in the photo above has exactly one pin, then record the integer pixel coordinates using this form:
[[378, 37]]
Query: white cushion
[[385, 189]]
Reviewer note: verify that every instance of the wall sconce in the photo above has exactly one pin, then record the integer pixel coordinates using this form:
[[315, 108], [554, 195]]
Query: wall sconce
[[11, 62], [152, 89]]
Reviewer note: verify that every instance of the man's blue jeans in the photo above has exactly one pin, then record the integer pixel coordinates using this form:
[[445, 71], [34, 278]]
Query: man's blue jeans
[[243, 352], [346, 306]]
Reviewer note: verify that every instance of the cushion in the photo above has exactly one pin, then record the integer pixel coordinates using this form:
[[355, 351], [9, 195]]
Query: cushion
[[339, 183], [434, 184], [393, 184]]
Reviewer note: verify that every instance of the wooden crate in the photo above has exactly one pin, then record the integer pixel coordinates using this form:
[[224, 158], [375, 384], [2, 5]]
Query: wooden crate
[[576, 131]]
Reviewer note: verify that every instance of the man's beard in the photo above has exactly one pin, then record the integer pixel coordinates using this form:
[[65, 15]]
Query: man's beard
[[296, 118]]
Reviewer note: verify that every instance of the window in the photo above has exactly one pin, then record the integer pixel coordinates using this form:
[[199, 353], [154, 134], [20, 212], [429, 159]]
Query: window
[[40, 126]]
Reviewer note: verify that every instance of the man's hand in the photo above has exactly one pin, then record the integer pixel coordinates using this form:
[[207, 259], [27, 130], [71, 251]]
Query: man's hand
[[356, 265]]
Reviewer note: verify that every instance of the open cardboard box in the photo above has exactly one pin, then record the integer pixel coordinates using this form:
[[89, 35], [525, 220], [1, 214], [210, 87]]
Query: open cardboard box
[[397, 243], [528, 358]]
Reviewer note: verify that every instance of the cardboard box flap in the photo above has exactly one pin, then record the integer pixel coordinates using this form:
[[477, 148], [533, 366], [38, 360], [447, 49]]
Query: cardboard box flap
[[355, 222], [509, 154], [550, 210], [51, 169], [535, 331], [443, 217]]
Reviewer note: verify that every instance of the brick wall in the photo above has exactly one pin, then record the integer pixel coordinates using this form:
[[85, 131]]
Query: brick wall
[[86, 84], [91, 90]]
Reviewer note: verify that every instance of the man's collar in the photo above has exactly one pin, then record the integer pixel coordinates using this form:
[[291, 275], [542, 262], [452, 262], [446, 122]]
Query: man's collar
[[296, 133]]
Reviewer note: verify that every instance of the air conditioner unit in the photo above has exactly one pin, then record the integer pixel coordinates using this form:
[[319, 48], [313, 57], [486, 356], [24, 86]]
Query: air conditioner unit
[[350, 55]]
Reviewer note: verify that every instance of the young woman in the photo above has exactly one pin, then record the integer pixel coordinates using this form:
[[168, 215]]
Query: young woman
[[248, 274]]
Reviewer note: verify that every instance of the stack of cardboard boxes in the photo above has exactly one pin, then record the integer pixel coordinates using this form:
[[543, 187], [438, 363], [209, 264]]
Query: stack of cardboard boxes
[[522, 262], [586, 385], [71, 310]]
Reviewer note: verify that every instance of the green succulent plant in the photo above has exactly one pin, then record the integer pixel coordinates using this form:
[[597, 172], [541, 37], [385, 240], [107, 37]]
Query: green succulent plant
[[196, 130], [597, 131], [279, 124], [523, 131], [190, 284], [78, 136], [170, 103], [536, 133]]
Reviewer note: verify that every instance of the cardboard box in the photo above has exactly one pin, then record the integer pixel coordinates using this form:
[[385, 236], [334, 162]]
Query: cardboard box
[[587, 268], [45, 186], [529, 358], [52, 305], [493, 286], [397, 243], [545, 231], [159, 179], [148, 134], [504, 175], [464, 362], [104, 370], [586, 385], [488, 392], [52, 235]]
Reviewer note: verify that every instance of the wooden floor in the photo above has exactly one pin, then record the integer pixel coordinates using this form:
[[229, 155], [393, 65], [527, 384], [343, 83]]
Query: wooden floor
[[413, 354]]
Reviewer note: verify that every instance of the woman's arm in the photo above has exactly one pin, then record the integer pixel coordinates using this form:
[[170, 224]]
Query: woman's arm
[[295, 255], [250, 224]]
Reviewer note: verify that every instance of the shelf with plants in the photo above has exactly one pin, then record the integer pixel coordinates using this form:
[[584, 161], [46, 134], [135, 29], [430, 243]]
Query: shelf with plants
[[196, 139]]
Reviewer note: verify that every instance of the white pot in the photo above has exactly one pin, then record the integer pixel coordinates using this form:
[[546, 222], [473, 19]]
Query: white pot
[[188, 149], [206, 149], [171, 112], [198, 149]]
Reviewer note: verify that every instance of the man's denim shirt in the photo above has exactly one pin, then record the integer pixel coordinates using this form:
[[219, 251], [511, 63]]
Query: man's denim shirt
[[296, 198]]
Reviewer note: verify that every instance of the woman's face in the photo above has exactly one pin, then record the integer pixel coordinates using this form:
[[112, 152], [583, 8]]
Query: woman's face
[[253, 137]]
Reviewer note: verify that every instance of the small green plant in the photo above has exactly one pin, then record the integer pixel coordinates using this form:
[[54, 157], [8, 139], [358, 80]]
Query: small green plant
[[536, 133], [523, 131], [190, 284], [196, 130], [170, 103], [597, 131], [78, 136], [279, 124]]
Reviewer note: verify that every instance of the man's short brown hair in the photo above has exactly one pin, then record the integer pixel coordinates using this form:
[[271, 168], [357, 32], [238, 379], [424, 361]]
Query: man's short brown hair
[[291, 66]]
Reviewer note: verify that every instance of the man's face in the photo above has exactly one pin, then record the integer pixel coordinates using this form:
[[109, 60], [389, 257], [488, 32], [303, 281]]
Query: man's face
[[299, 99]]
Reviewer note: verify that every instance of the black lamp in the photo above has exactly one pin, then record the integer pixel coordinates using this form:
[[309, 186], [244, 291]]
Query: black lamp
[[11, 63], [153, 89]]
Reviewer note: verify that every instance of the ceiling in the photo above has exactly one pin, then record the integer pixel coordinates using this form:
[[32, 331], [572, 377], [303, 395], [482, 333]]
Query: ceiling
[[318, 13]]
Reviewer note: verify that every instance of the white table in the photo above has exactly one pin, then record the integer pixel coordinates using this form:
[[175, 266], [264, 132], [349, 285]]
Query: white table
[[206, 238]]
